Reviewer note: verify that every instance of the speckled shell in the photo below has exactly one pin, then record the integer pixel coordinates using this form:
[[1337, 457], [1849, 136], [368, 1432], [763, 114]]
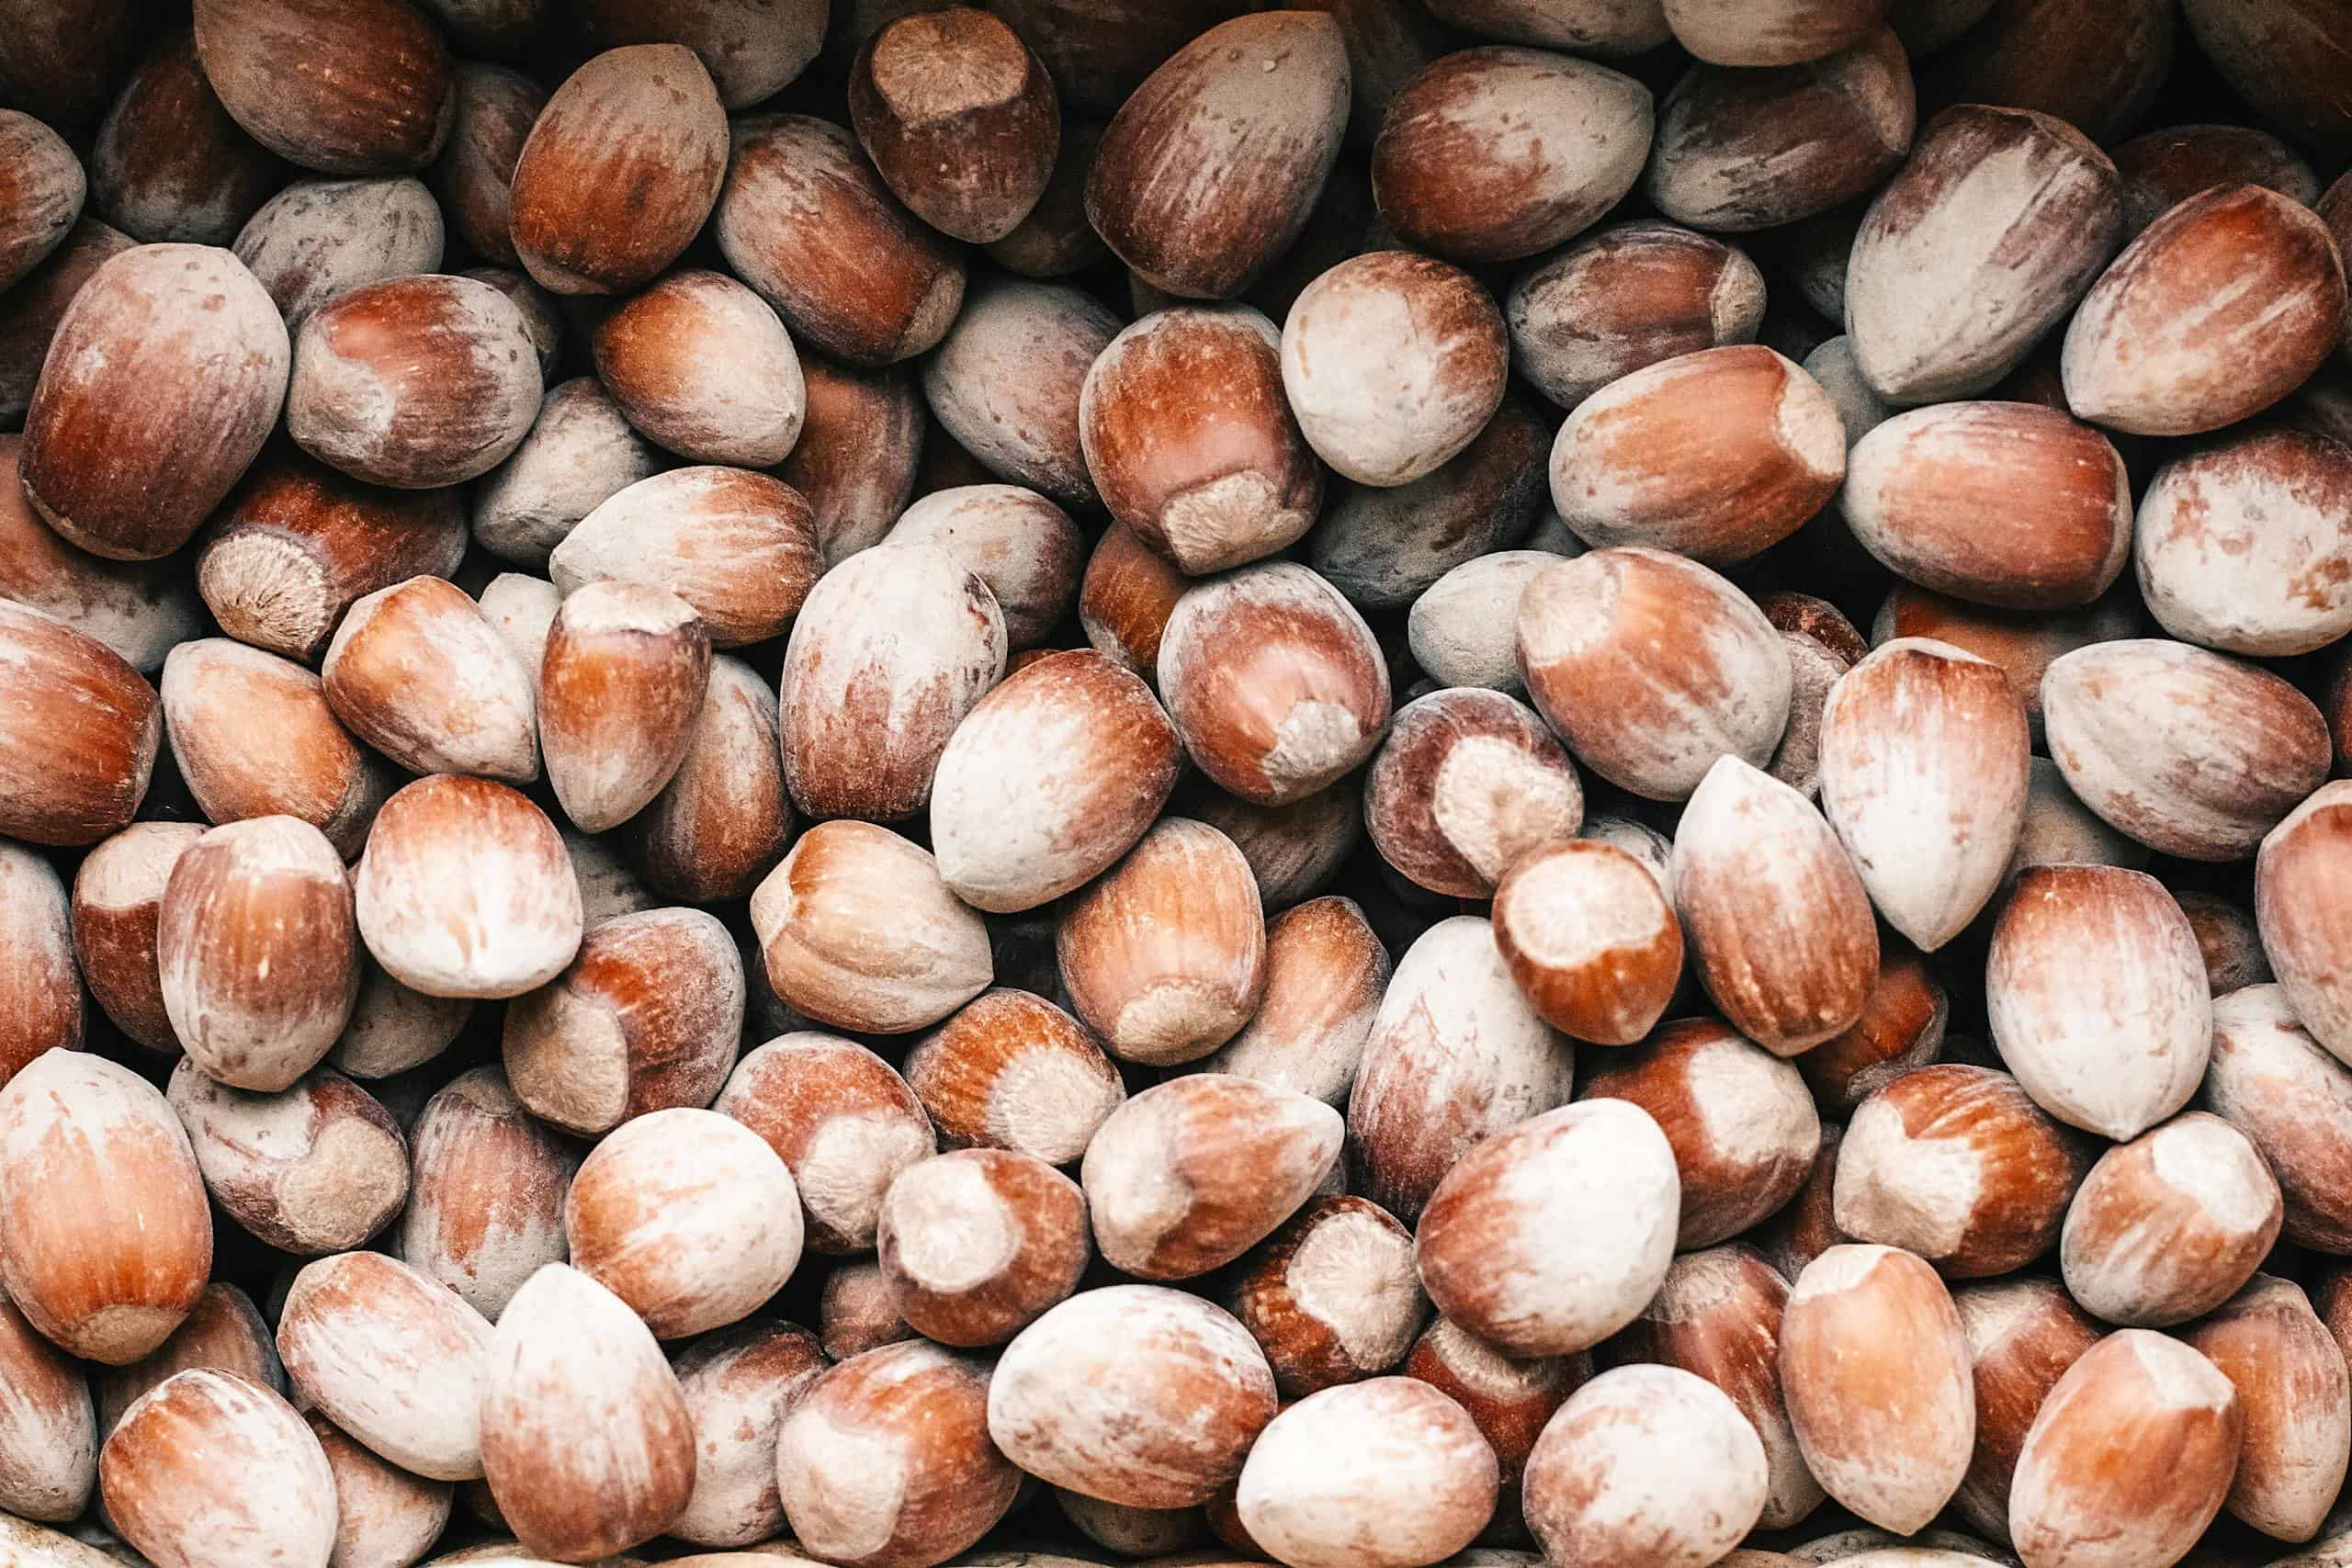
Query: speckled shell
[[360, 88], [485, 1206], [48, 1438], [739, 1383], [209, 1471], [620, 169], [394, 1358], [1629, 295], [317, 1167], [319, 238], [2243, 544]]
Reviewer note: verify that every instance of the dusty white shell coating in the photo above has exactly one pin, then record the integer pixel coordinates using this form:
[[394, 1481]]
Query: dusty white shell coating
[[438, 689], [2247, 546], [1924, 766], [581, 452], [395, 1358], [452, 911], [1324, 1480], [266, 1496], [319, 238], [1006, 379], [1464, 628], [1661, 1466]]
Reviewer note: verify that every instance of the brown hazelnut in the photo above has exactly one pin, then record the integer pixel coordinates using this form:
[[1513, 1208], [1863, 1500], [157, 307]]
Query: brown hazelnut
[[854, 463], [1635, 1443], [1590, 938], [1325, 973], [702, 366], [32, 308], [1323, 1484], [1631, 296], [2097, 65], [2023, 1332], [627, 668], [474, 177], [737, 546], [1013, 1071], [1023, 547], [1008, 381], [384, 1515], [317, 1167], [1125, 600], [1902, 1028], [485, 1206], [721, 822], [2164, 168], [739, 1383], [857, 1311], [2294, 1398], [579, 453], [169, 163], [49, 1446], [117, 892], [753, 49], [2279, 1086], [841, 1120], [1331, 1296], [319, 238], [362, 88], [961, 121], [209, 1471], [2024, 644], [1466, 783], [2169, 1225], [418, 672], [976, 1243]]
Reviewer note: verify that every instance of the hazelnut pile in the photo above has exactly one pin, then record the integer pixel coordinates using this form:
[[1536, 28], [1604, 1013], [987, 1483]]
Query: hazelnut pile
[[1474, 782]]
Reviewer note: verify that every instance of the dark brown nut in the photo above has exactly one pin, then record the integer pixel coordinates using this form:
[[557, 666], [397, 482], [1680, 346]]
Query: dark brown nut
[[1777, 921], [890, 650], [1901, 1029], [40, 1001], [1164, 956], [1274, 682], [209, 1471], [1209, 170], [1455, 1056], [79, 744], [1008, 380], [1646, 1464], [1455, 175], [2280, 55], [804, 220], [344, 89], [977, 1242], [253, 735], [48, 1444], [1590, 939], [622, 166], [1742, 149], [701, 365], [1388, 43], [1013, 1071], [1718, 1317], [316, 1169], [1739, 1120], [1716, 456], [2274, 1350], [32, 309], [2096, 66], [623, 679], [393, 1357], [1317, 1479], [2164, 168], [319, 238], [298, 543], [960, 120], [646, 1018], [1464, 627], [1423, 332], [858, 931], [585, 1435], [1626, 298], [2134, 363], [1775, 32], [169, 163], [384, 1515], [686, 1215], [1501, 1256], [1594, 636], [62, 61], [1050, 779], [2023, 645], [1606, 29], [417, 672], [739, 1383], [841, 1120], [1190, 442], [465, 890], [486, 1195], [41, 196], [1382, 545], [737, 546], [1187, 1176], [721, 822], [1874, 1367], [117, 892], [1054, 239], [2163, 773], [2227, 936], [474, 176], [151, 404], [1023, 547], [2169, 1225], [855, 459], [1806, 1227], [1294, 851], [1813, 673], [2243, 544], [104, 1239], [1954, 1164], [2023, 1332], [1466, 783], [1992, 232], [1142, 1532], [1941, 495], [885, 1460], [414, 382], [2120, 1056], [1331, 1296], [1924, 773], [1126, 598], [1326, 972], [581, 452], [2130, 1457], [1135, 1394], [257, 951], [753, 48]]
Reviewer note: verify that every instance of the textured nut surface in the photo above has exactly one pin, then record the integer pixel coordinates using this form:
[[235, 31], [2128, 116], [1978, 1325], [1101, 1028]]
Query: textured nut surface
[[1635, 1443]]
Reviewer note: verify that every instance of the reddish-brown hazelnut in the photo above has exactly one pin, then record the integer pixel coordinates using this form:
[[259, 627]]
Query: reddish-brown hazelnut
[[859, 440], [976, 1243], [2164, 168], [117, 891], [1326, 973], [169, 163], [1126, 598], [474, 177], [739, 1383], [2169, 1225], [1466, 783], [315, 1168], [2024, 644], [2023, 1332], [961, 121], [1331, 1297], [841, 1120], [48, 1443], [702, 366], [1011, 1071], [209, 1471], [2096, 65], [753, 48], [345, 88], [485, 1205], [2294, 1397], [417, 672], [31, 308]]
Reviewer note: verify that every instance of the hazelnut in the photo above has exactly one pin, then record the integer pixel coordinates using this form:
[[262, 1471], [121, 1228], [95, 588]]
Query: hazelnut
[[384, 1515], [844, 1123], [474, 177], [857, 1312], [961, 121], [209, 1471], [169, 163], [1023, 547], [1008, 382], [686, 1215], [2273, 53], [485, 1206], [142, 609], [2097, 996], [739, 1383], [2023, 1332], [2295, 1401], [737, 546], [1331, 1296], [1327, 1482], [118, 894], [1455, 1056], [1589, 940], [1326, 975], [1294, 851], [2241, 543], [1630, 296], [2169, 1226], [623, 679], [1466, 783], [319, 238], [1010, 1070], [701, 365], [1124, 599], [620, 169], [1902, 1027], [1509, 1398], [363, 88], [2023, 643], [721, 822], [1635, 1443], [49, 1446], [2096, 66], [854, 463], [1552, 1235], [1874, 1366], [1054, 239], [581, 452], [2164, 168], [418, 672], [753, 49], [1605, 28], [976, 1243], [316, 1167], [41, 197]]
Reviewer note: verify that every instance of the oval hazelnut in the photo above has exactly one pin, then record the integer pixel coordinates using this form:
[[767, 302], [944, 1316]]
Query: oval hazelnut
[[2023, 1332], [2241, 543], [2296, 1403], [207, 1468], [319, 238], [485, 1206], [739, 1383], [118, 894], [316, 1167], [1011, 1071], [2169, 1225], [581, 452], [345, 89], [1594, 1482], [702, 366], [961, 121], [976, 1243], [1321, 1485], [417, 672]]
